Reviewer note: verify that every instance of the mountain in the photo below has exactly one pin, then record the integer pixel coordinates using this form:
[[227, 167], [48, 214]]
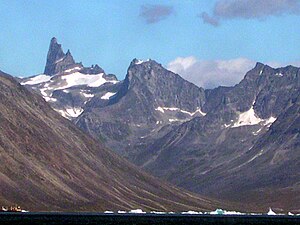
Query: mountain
[[57, 60], [69, 86], [47, 163], [195, 138], [244, 149], [150, 98]]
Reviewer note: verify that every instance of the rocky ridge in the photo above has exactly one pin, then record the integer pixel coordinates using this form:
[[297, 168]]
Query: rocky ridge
[[48, 164], [194, 137]]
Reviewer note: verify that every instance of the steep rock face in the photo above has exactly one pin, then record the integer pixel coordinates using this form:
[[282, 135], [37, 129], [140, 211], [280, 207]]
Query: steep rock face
[[57, 60], [149, 98], [180, 132], [202, 154], [270, 169], [46, 163], [69, 86]]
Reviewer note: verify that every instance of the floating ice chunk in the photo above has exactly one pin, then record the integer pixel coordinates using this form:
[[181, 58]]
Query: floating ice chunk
[[154, 212], [290, 214], [24, 211], [121, 212], [233, 213], [271, 212], [110, 212], [217, 212], [191, 212], [138, 211]]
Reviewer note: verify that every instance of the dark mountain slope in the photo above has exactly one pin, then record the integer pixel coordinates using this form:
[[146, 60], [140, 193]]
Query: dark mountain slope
[[189, 136], [46, 163], [270, 170], [237, 151], [150, 98]]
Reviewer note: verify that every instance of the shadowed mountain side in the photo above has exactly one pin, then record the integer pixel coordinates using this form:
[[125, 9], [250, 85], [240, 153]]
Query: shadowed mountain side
[[47, 163]]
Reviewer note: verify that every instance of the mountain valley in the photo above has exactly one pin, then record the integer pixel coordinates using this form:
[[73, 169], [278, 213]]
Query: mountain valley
[[238, 144]]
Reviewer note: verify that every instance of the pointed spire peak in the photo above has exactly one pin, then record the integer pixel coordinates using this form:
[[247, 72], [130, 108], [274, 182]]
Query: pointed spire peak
[[259, 65], [57, 60], [53, 40], [96, 66]]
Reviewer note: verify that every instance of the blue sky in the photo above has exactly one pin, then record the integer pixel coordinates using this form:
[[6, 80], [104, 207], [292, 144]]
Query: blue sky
[[112, 33]]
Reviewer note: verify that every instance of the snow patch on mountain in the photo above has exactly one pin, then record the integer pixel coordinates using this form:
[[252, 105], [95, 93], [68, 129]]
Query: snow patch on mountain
[[37, 80], [250, 118], [269, 121], [72, 69], [138, 61], [87, 95], [49, 99], [91, 80], [107, 95], [70, 112], [163, 109], [247, 118]]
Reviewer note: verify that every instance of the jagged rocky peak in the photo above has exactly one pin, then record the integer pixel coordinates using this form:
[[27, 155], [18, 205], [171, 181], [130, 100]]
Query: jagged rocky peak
[[147, 69], [136, 61], [57, 60], [149, 82], [261, 69], [94, 69]]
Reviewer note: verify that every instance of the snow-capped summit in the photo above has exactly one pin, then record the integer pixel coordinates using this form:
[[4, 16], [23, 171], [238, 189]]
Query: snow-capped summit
[[139, 61], [68, 85]]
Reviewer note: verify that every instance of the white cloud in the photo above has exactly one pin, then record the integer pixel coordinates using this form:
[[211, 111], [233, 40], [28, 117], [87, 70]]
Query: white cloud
[[211, 73]]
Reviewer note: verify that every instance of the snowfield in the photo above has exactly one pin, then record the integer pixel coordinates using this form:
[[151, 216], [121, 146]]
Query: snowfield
[[108, 95], [37, 80], [91, 80]]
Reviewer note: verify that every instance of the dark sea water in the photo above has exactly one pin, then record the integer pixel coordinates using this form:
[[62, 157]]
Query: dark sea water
[[136, 219]]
